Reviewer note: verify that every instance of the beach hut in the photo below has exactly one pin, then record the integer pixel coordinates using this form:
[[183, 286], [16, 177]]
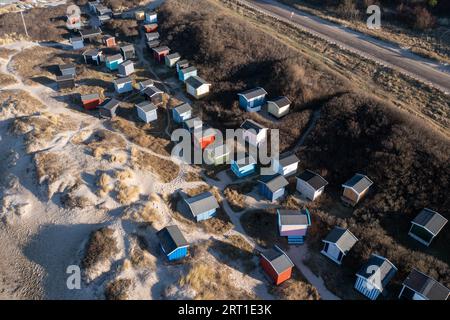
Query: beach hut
[[217, 154], [293, 224], [151, 17], [243, 166], [207, 137], [123, 85], [185, 73], [90, 33], [253, 132], [93, 56], [252, 100], [128, 52], [374, 276], [153, 94], [276, 265], [145, 84], [419, 286], [147, 111], [67, 69], [182, 112], [272, 187], [112, 62], [150, 27], [108, 108], [109, 41], [77, 43], [90, 101], [310, 184], [103, 11], [338, 243], [172, 58], [126, 68], [181, 64], [286, 164], [151, 36], [193, 124], [139, 15], [93, 5], [278, 107], [152, 44], [102, 19], [355, 189], [159, 53], [426, 225], [173, 243], [202, 206], [66, 81], [197, 87]]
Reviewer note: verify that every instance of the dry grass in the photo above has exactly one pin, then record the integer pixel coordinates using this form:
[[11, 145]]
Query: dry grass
[[211, 280], [72, 200], [166, 170], [219, 224], [18, 103], [141, 258], [41, 129], [5, 53], [118, 289], [143, 213], [120, 157], [192, 177], [102, 246], [101, 142], [6, 80], [43, 24], [295, 289], [34, 63], [234, 195], [124, 174], [127, 194], [261, 225], [105, 185], [50, 166], [237, 249], [140, 137]]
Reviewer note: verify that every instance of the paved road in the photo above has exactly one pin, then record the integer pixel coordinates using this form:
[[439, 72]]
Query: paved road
[[389, 54]]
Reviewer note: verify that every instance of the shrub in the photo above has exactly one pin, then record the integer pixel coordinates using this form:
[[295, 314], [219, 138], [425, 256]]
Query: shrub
[[101, 246], [118, 289]]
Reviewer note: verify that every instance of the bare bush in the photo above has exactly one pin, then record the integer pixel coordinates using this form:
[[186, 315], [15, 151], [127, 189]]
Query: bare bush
[[102, 246]]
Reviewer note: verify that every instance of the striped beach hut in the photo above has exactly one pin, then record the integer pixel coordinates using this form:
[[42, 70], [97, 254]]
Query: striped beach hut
[[374, 276]]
